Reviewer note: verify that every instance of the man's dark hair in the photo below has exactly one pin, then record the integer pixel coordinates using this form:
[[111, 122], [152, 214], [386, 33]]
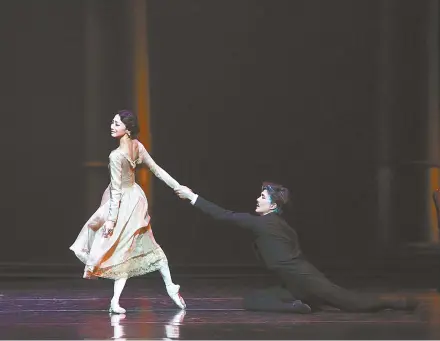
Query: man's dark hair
[[278, 194]]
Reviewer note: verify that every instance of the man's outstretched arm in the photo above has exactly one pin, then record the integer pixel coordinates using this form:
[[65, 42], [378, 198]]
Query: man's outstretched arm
[[245, 220]]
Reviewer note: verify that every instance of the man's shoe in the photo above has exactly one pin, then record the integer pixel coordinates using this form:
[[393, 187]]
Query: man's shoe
[[301, 308], [411, 303]]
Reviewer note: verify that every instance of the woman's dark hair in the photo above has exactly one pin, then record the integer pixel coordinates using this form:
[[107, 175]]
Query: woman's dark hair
[[278, 194], [130, 121]]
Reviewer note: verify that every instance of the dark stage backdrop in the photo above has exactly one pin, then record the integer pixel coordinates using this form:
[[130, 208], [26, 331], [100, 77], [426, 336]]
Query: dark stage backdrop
[[42, 104], [246, 91], [241, 92]]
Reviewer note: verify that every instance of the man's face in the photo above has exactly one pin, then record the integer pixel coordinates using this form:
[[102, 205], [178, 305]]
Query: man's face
[[264, 204]]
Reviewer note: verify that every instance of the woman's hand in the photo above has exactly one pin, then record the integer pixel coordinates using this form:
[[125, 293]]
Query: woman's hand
[[107, 230], [184, 192]]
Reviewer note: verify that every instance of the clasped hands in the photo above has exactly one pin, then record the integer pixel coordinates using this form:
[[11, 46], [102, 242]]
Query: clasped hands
[[184, 192]]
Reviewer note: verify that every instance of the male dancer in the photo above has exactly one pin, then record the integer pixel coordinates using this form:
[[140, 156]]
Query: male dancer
[[278, 246]]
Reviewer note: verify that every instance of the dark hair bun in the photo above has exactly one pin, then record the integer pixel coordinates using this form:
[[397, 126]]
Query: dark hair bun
[[131, 122]]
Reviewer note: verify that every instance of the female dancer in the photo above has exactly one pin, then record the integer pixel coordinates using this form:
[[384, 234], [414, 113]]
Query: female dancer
[[117, 241]]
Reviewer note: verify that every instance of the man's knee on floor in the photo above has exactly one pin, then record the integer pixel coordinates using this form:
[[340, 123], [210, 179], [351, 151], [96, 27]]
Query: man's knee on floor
[[252, 299]]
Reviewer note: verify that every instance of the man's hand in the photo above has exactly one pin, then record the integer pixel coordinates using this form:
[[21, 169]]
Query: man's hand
[[184, 192], [107, 230]]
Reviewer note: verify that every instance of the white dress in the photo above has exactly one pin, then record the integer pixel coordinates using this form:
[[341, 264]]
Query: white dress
[[132, 249]]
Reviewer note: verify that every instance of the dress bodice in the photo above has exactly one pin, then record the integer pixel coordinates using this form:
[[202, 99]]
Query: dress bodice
[[128, 168], [122, 175]]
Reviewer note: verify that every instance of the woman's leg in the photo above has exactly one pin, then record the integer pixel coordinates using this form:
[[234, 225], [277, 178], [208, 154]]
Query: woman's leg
[[172, 289], [117, 291]]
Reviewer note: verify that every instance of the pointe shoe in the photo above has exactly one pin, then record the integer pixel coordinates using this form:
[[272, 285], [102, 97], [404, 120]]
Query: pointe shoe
[[173, 292], [115, 308]]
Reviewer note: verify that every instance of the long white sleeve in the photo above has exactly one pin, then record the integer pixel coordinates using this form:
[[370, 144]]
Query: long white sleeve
[[156, 169]]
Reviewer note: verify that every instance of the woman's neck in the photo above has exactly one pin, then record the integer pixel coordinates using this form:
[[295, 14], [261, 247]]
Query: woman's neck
[[124, 141]]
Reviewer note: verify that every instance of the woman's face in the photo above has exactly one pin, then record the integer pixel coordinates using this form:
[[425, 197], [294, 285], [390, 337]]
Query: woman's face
[[117, 128]]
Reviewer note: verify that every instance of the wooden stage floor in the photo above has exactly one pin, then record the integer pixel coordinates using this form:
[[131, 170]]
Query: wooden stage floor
[[77, 309]]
